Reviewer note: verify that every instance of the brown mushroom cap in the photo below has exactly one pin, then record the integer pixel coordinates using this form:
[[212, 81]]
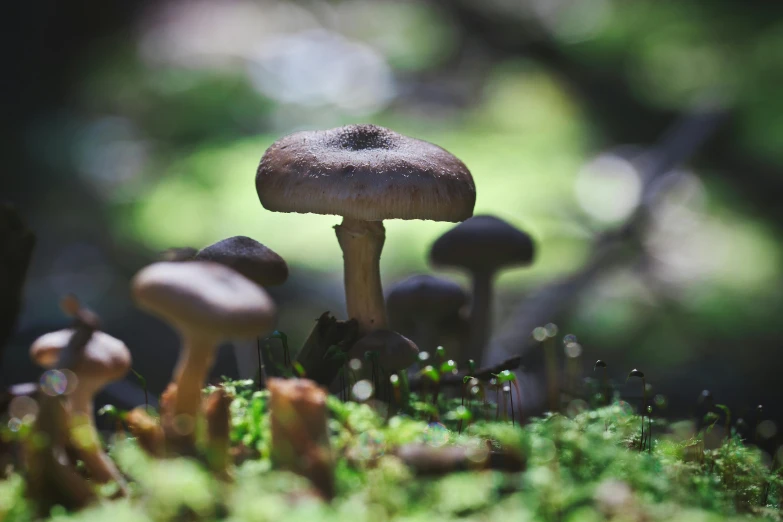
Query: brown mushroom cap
[[250, 258], [483, 243], [205, 297], [103, 355], [395, 352], [425, 297], [364, 172]]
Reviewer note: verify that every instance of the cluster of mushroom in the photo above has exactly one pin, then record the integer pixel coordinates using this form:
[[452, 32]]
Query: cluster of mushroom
[[365, 174], [368, 174]]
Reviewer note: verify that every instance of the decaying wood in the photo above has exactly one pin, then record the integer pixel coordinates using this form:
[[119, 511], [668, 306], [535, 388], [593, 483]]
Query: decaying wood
[[327, 332]]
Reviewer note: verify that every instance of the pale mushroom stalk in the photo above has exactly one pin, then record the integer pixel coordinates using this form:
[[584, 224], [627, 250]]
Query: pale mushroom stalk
[[195, 360], [88, 443], [362, 243], [480, 314]]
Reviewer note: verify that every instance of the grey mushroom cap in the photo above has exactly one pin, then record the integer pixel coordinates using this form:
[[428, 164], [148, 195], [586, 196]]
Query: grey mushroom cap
[[250, 258], [395, 352], [103, 355], [426, 297], [364, 172], [483, 243], [205, 297]]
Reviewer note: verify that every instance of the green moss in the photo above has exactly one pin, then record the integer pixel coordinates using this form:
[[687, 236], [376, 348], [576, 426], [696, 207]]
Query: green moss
[[583, 468]]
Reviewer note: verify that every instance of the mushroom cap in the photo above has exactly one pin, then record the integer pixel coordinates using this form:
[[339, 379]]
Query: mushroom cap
[[103, 355], [395, 352], [205, 298], [483, 243], [425, 297], [364, 172], [250, 258]]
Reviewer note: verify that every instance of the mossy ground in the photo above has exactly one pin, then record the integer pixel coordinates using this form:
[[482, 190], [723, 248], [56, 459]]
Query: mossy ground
[[584, 467]]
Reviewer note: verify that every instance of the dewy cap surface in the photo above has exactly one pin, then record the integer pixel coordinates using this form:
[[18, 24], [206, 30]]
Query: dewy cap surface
[[205, 296], [483, 243], [364, 172]]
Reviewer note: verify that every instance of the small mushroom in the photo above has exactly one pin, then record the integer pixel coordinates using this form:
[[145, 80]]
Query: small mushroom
[[366, 174], [482, 245], [250, 258], [102, 360], [258, 263], [395, 352], [419, 304], [207, 303]]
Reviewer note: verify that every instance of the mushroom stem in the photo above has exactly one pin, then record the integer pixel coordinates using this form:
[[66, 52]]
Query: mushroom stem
[[195, 361], [86, 441], [362, 243], [480, 315]]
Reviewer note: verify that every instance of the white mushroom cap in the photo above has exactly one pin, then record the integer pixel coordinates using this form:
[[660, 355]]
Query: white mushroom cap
[[205, 297]]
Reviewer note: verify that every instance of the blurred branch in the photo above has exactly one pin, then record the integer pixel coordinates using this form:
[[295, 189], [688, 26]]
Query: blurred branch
[[615, 246]]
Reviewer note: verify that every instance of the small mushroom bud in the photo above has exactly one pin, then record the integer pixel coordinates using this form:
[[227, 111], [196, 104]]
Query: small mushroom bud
[[300, 437]]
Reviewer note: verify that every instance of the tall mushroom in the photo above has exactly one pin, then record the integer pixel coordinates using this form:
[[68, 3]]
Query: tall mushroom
[[103, 359], [366, 174], [418, 305], [482, 245], [207, 303], [256, 262]]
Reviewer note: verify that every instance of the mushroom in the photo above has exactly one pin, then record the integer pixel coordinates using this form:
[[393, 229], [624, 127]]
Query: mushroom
[[482, 245], [207, 303], [258, 263], [366, 174], [420, 304], [103, 359], [250, 258]]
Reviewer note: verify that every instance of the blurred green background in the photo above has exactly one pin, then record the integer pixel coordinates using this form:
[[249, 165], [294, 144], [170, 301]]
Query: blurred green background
[[137, 126]]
